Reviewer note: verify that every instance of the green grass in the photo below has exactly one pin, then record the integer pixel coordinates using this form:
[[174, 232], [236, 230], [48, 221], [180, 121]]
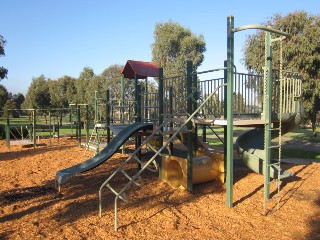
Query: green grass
[[304, 133], [296, 153]]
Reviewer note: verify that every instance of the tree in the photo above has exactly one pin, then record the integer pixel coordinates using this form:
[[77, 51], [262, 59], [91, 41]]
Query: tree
[[4, 96], [38, 95], [10, 104], [3, 71], [301, 53], [62, 91], [82, 85], [174, 45], [18, 99], [112, 78]]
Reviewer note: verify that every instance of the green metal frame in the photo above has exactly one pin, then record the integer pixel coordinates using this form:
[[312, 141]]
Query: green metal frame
[[230, 61]]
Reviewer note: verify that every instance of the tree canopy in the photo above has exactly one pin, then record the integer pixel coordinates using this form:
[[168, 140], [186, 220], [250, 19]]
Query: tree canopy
[[38, 95], [4, 96], [174, 45], [301, 53], [3, 71]]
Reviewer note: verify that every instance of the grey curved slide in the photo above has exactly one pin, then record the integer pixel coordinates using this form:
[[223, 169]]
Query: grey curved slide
[[63, 175], [250, 144]]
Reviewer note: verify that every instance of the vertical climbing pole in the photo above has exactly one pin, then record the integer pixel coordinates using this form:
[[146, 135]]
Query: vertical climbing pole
[[229, 142], [267, 104], [8, 131], [194, 107], [79, 124], [171, 112], [34, 127], [138, 115], [96, 120], [225, 76], [161, 104], [108, 112], [122, 100], [96, 107], [87, 124], [190, 146], [146, 99]]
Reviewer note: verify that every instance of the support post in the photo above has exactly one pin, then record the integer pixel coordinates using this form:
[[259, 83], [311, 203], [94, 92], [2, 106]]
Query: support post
[[108, 114], [50, 123], [146, 110], [122, 99], [171, 112], [194, 107], [161, 104], [34, 129], [267, 116], [87, 125], [79, 125], [229, 142], [225, 106], [189, 128], [8, 131], [96, 108], [138, 138]]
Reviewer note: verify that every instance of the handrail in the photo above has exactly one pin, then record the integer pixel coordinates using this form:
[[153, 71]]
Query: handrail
[[257, 26]]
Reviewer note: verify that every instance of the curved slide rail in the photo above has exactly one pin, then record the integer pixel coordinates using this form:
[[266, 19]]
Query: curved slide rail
[[63, 175], [250, 144]]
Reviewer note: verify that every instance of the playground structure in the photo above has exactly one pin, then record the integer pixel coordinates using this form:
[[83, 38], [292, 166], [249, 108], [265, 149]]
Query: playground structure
[[43, 123], [184, 104]]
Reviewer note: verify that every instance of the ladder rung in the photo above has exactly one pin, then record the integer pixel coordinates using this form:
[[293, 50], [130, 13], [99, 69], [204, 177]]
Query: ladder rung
[[122, 197], [275, 146], [274, 129], [130, 178]]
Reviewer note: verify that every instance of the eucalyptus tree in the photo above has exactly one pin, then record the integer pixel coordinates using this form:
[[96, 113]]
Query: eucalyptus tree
[[174, 45], [3, 71], [301, 53]]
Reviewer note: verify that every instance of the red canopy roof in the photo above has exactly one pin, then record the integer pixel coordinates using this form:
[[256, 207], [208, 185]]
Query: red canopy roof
[[140, 69]]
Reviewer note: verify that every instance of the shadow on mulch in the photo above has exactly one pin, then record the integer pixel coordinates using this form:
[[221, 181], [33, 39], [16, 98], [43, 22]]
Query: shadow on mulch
[[8, 156]]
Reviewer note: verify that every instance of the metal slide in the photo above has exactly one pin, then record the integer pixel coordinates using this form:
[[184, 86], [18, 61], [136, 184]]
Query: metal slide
[[250, 144], [63, 175]]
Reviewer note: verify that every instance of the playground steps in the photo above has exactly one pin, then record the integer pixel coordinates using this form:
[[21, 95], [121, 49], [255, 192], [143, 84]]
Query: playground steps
[[96, 137]]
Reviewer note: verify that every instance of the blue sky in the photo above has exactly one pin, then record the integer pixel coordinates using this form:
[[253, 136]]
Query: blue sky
[[61, 37]]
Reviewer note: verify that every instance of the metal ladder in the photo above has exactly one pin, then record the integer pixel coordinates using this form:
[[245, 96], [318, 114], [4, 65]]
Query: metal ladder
[[269, 132], [95, 138], [120, 194]]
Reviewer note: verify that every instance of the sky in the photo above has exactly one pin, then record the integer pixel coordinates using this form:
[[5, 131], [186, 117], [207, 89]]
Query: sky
[[61, 37]]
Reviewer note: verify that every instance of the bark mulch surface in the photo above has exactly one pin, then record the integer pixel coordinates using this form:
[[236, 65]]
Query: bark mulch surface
[[31, 208]]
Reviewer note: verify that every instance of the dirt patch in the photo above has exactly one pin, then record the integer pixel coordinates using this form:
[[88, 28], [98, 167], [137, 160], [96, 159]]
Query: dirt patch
[[31, 208]]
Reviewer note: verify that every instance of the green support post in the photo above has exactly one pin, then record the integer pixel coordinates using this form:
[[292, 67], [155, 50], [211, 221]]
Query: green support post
[[50, 130], [96, 120], [138, 113], [8, 131], [190, 141], [229, 142], [225, 107], [96, 108], [146, 99], [87, 125], [194, 107], [79, 125], [108, 114], [267, 116], [122, 99], [34, 128], [161, 104], [171, 112], [71, 122]]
